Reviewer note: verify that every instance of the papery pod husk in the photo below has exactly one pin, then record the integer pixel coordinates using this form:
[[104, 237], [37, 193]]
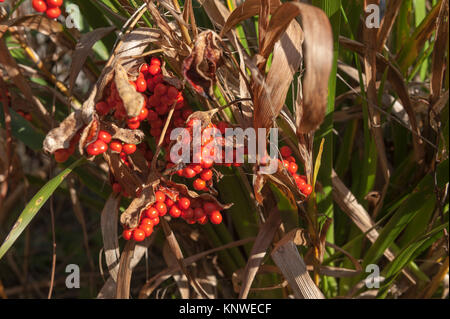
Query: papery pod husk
[[145, 197]]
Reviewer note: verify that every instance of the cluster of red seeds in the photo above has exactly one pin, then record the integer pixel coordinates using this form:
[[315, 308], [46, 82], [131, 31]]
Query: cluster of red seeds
[[291, 166], [105, 141], [202, 162], [161, 97], [50, 7], [158, 98], [167, 201]]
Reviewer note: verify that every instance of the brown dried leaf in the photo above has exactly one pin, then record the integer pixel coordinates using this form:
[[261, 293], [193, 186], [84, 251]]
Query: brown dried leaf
[[287, 258], [132, 100], [270, 93], [130, 217], [123, 134], [263, 21], [245, 11], [204, 116], [133, 44], [139, 163], [393, 7], [200, 67], [259, 250], [89, 134], [258, 184], [216, 11], [125, 271], [109, 233], [318, 42], [83, 49], [61, 136], [49, 27], [127, 178]]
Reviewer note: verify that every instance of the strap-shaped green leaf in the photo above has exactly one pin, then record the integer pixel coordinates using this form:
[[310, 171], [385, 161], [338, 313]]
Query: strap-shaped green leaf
[[34, 206]]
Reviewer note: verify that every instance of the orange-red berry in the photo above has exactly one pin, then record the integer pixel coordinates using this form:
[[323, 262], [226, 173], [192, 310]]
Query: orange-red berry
[[151, 213], [104, 136], [175, 212], [129, 148], [160, 196], [206, 175], [292, 168], [184, 203], [138, 234], [53, 13], [141, 84], [148, 229], [161, 208], [54, 3], [116, 146], [39, 5], [127, 233], [215, 217], [199, 184]]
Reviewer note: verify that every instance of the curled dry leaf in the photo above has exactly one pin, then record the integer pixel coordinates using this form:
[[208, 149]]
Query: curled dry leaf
[[200, 67], [318, 47], [89, 134], [131, 216], [124, 175], [284, 183], [204, 116], [133, 44], [139, 163], [132, 100], [285, 37], [258, 183], [61, 136], [123, 134], [270, 93], [245, 11]]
